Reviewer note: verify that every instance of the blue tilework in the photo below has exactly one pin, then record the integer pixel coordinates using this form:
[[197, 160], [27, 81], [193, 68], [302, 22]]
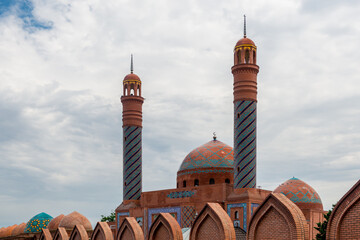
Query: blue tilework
[[214, 154], [306, 198], [253, 205], [207, 171], [245, 144], [243, 205], [152, 211], [132, 163], [37, 223], [121, 214], [188, 216], [182, 194]]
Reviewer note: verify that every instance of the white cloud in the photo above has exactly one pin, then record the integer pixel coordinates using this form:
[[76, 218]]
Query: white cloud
[[60, 88]]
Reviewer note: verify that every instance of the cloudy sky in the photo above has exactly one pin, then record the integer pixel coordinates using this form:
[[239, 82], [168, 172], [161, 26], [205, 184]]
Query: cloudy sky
[[61, 68]]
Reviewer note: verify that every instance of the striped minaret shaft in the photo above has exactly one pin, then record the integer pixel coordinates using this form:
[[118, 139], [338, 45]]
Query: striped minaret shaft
[[132, 129], [132, 162], [245, 73]]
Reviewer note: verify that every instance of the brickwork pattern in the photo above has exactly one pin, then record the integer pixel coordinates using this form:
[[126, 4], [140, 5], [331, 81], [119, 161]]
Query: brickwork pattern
[[187, 216], [212, 223], [208, 230], [132, 162], [161, 233], [126, 235], [350, 224], [245, 144], [346, 211], [130, 230], [272, 226], [296, 224]]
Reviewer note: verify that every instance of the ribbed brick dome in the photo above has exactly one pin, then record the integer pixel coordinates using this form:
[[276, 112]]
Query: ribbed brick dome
[[54, 224], [301, 193], [69, 221]]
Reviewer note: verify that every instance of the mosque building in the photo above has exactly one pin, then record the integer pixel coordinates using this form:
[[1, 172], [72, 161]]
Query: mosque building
[[216, 196]]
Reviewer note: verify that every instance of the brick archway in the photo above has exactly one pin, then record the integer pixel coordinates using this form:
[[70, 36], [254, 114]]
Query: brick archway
[[212, 223], [130, 230], [45, 234], [165, 227], [61, 234], [278, 218], [79, 233], [344, 222], [102, 231]]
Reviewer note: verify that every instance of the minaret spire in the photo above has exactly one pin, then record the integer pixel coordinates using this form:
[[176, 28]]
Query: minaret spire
[[244, 26], [132, 65]]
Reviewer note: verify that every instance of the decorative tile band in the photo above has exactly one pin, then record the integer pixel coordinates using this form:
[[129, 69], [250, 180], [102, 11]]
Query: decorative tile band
[[206, 171], [152, 211], [132, 162], [245, 144], [121, 214], [188, 216], [243, 205], [182, 194], [312, 198], [253, 205]]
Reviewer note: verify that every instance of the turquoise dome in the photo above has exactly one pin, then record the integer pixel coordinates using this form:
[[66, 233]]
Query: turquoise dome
[[37, 223], [214, 154]]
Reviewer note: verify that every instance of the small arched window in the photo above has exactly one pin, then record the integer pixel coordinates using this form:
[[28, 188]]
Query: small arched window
[[212, 181], [196, 182], [184, 183], [227, 180], [239, 56], [247, 56], [254, 57], [236, 215]]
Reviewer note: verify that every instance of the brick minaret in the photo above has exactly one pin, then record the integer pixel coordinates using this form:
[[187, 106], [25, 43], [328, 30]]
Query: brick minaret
[[132, 128], [245, 73]]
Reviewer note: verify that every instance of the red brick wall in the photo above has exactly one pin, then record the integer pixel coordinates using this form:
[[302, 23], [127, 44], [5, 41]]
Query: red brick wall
[[161, 233], [126, 235], [208, 230], [344, 221], [272, 226], [350, 224]]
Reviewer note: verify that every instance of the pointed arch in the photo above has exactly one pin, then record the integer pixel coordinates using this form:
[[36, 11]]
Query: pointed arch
[[79, 233], [212, 223], [346, 212], [281, 218], [61, 234], [165, 227], [45, 234], [130, 230], [102, 231]]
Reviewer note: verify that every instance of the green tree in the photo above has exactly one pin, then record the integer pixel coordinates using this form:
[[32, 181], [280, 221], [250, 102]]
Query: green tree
[[110, 218], [321, 227]]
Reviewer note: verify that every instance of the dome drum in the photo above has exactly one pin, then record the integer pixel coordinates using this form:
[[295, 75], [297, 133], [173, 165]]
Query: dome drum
[[204, 176], [211, 163]]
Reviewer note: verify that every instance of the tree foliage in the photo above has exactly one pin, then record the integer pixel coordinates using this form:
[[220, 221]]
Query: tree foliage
[[321, 227], [110, 218]]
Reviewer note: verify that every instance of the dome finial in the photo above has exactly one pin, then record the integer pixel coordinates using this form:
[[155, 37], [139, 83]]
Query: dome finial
[[132, 65], [244, 26], [214, 136]]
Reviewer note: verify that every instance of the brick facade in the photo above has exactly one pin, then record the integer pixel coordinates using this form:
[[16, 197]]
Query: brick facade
[[278, 218], [344, 222]]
